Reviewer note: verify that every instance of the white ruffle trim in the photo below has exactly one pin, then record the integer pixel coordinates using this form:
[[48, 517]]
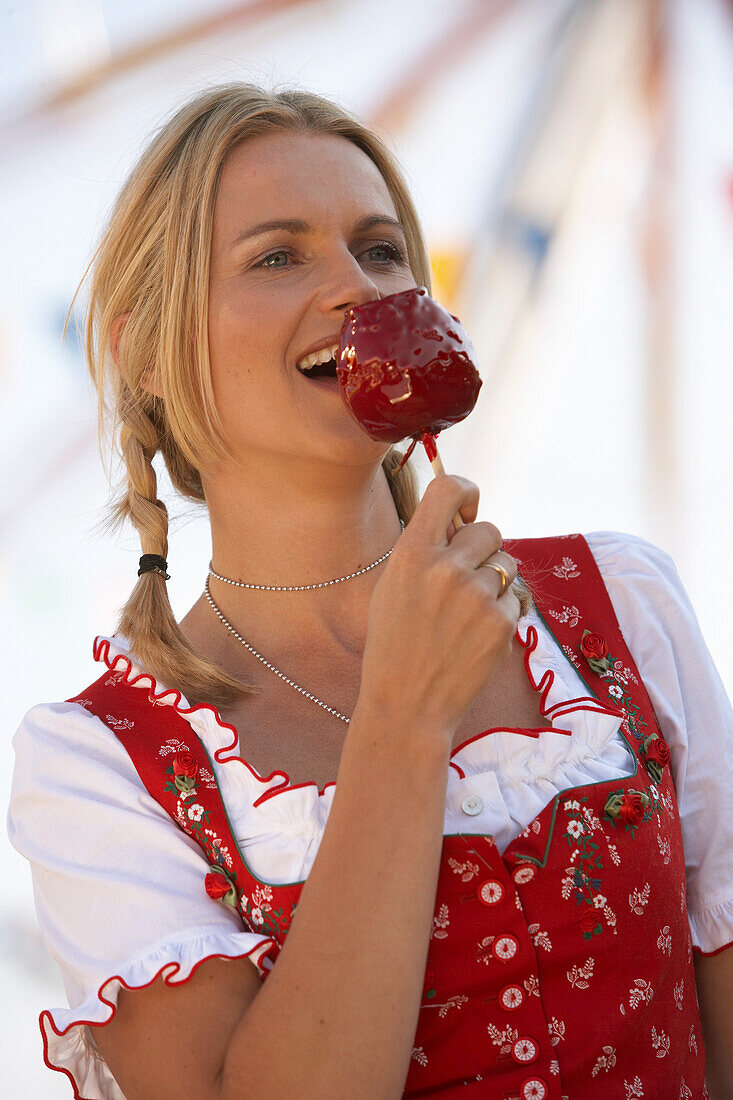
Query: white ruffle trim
[[67, 1046], [515, 773], [711, 928]]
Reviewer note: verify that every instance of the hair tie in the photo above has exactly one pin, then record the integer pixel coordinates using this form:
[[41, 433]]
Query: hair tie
[[153, 563]]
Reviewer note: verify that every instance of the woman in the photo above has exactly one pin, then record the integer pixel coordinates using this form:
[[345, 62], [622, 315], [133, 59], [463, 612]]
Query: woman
[[490, 899]]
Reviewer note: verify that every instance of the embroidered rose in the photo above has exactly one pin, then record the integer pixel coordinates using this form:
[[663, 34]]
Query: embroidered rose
[[593, 645], [588, 920], [594, 649], [184, 763], [220, 886], [657, 749], [631, 809]]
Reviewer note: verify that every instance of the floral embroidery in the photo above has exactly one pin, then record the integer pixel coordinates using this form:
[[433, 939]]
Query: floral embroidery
[[440, 922], [452, 1002], [606, 1060], [503, 1039], [685, 1092], [540, 939], [638, 899], [482, 953], [613, 852], [692, 1041], [679, 992], [660, 1043], [119, 724], [567, 570], [172, 745], [465, 870], [556, 1030], [420, 1056], [642, 992], [664, 941], [635, 1090], [579, 977], [567, 615], [632, 807], [571, 656], [532, 985], [665, 849], [580, 879]]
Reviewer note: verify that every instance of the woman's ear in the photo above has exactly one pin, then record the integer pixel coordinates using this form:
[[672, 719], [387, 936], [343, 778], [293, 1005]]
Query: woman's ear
[[115, 334]]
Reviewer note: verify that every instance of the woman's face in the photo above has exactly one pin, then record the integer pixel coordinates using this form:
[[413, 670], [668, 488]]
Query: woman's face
[[275, 293]]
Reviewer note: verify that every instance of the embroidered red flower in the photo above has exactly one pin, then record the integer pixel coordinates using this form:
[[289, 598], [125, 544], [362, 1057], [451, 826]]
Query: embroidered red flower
[[588, 919], [658, 750], [184, 763], [593, 646], [216, 886], [631, 809]]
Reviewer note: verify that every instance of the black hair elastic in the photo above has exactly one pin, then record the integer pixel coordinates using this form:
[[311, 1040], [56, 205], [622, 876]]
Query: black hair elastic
[[153, 563]]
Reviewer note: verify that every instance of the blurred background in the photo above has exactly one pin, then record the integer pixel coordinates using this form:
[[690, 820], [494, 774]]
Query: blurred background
[[572, 162]]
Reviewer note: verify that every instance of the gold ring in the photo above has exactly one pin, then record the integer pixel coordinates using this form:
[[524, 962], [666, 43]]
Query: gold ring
[[504, 575]]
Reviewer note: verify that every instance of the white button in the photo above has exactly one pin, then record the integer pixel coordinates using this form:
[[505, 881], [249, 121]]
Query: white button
[[525, 1049], [472, 805], [534, 1088]]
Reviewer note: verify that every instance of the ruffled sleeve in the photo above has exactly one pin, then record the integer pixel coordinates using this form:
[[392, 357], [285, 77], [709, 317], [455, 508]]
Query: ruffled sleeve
[[694, 712], [118, 888]]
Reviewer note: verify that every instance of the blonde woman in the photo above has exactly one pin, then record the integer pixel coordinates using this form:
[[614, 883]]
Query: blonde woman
[[378, 817]]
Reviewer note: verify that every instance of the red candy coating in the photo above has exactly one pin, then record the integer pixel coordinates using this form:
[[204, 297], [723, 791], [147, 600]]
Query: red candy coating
[[406, 366]]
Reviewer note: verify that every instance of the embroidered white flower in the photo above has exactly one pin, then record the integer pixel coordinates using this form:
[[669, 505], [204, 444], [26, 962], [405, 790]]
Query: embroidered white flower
[[569, 615], [685, 1092], [664, 849], [256, 915], [606, 1060], [420, 1056], [453, 1002], [571, 804], [567, 570], [616, 691], [556, 1030], [692, 1041], [575, 828], [613, 852], [532, 985], [660, 1042], [579, 977], [634, 1091], [642, 992], [540, 939], [638, 899], [195, 812], [440, 922], [679, 993], [599, 901]]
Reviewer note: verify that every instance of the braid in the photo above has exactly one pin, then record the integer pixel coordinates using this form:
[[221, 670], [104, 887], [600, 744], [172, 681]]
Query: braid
[[147, 619]]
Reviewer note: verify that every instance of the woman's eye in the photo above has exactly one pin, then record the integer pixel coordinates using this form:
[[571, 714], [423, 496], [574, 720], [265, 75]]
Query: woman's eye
[[395, 256]]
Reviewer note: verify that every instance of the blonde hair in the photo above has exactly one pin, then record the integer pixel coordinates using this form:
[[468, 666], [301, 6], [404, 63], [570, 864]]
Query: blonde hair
[[152, 263]]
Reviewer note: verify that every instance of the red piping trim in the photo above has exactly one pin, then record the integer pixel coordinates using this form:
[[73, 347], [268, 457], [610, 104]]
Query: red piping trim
[[116, 978], [709, 954], [123, 664]]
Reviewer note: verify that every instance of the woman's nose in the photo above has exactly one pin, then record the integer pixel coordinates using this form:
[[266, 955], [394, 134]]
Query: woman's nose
[[347, 285]]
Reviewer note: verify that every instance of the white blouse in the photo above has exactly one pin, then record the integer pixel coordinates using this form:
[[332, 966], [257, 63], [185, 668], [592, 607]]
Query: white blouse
[[118, 886]]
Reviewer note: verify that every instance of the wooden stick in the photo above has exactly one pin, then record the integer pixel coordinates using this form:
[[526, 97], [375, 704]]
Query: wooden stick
[[431, 449]]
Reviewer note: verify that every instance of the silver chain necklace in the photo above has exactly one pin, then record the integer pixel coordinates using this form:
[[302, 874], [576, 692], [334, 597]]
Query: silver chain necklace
[[284, 588]]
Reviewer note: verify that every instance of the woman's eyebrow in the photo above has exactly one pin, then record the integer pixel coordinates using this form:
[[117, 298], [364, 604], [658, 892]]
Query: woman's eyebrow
[[296, 225]]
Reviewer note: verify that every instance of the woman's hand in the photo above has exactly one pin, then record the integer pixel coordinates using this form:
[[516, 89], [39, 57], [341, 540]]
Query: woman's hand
[[437, 629]]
